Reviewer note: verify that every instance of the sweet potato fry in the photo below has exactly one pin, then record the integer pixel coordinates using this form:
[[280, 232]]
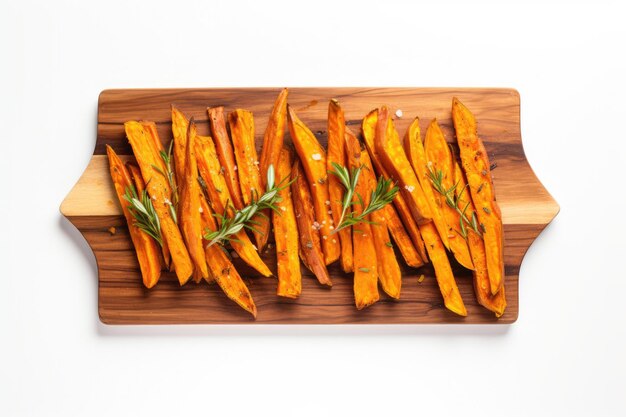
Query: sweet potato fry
[[157, 149], [443, 272], [310, 245], [401, 238], [365, 260], [478, 172], [313, 158], [140, 186], [241, 124], [336, 153], [389, 216], [416, 154], [272, 145], [190, 208], [219, 196], [439, 159], [146, 247], [388, 269], [222, 270], [391, 154], [159, 190], [403, 212], [225, 154], [286, 235], [495, 303], [180, 125]]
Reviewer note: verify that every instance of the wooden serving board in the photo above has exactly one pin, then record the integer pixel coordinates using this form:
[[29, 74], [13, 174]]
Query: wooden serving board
[[93, 208]]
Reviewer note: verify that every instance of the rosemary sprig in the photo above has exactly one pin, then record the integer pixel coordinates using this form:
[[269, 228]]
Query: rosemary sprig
[[348, 179], [383, 194], [143, 211], [173, 201], [454, 201], [233, 221]]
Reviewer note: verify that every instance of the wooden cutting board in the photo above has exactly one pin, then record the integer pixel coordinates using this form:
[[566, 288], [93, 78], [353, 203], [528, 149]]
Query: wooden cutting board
[[122, 299]]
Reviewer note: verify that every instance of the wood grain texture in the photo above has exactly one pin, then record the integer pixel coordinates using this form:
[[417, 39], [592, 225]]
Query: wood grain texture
[[92, 207]]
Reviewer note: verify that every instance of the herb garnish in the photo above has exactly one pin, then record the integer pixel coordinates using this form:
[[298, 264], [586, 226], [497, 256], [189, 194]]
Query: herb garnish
[[233, 221], [383, 194]]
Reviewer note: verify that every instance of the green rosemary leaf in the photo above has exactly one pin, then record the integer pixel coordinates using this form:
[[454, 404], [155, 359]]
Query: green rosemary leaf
[[436, 179], [383, 194], [144, 214], [233, 221]]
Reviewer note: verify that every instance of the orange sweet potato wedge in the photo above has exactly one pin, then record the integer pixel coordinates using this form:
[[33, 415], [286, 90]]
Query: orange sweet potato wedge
[[140, 186], [286, 235], [439, 159], [146, 247], [401, 238], [180, 125], [416, 154], [443, 271], [391, 154], [388, 269], [157, 149], [336, 154], [368, 128], [217, 191], [142, 143], [495, 303], [313, 158], [365, 258], [221, 268], [190, 208], [310, 245], [477, 169], [389, 216], [241, 124], [225, 154], [272, 145]]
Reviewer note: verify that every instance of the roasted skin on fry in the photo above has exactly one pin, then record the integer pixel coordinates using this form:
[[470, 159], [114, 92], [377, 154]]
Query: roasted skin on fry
[[157, 149], [272, 145], [146, 248], [443, 271], [391, 154], [495, 303], [241, 124], [140, 185], [158, 188], [313, 158], [439, 158], [222, 270], [478, 172], [310, 245], [219, 196], [403, 212], [365, 258], [190, 208], [388, 269], [416, 154], [336, 154], [286, 235], [180, 125], [225, 154]]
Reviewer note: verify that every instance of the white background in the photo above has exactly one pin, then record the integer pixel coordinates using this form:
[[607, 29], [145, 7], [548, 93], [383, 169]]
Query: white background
[[565, 355]]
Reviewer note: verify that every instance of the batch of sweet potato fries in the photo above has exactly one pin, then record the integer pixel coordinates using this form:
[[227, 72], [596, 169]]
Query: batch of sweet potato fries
[[185, 204]]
